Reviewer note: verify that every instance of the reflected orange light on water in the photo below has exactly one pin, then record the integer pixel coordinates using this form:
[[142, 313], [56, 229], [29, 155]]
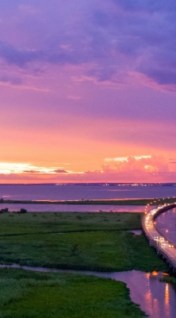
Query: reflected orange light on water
[[167, 299], [156, 308], [147, 275], [148, 296], [166, 294]]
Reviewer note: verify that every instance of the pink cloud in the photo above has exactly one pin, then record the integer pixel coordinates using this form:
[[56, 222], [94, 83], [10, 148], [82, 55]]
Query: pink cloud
[[138, 168]]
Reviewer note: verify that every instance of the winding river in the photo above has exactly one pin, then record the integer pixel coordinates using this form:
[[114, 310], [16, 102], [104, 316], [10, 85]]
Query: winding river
[[155, 298]]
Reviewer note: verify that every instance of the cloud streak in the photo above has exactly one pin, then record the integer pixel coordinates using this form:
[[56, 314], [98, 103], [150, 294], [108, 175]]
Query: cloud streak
[[138, 168], [7, 168]]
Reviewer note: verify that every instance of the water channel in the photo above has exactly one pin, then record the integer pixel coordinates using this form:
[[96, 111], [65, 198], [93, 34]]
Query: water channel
[[72, 207], [166, 225]]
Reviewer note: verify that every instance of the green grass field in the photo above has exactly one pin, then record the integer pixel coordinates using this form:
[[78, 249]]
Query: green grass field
[[76, 241], [81, 241]]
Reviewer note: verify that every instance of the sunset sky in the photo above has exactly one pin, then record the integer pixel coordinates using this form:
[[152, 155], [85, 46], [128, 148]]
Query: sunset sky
[[87, 91]]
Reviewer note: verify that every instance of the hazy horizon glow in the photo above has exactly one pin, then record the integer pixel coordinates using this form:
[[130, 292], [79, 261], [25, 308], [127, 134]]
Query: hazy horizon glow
[[88, 91]]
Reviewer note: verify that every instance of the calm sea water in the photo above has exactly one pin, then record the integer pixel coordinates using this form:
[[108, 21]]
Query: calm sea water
[[79, 192], [86, 191]]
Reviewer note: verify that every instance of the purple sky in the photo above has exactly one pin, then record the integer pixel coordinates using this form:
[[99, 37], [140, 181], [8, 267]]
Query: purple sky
[[82, 81]]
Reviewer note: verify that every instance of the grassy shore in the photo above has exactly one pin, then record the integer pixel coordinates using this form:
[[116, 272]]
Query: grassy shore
[[39, 295], [77, 241]]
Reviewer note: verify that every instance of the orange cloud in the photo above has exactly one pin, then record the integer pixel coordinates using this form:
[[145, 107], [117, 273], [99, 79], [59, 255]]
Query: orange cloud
[[8, 168], [137, 168]]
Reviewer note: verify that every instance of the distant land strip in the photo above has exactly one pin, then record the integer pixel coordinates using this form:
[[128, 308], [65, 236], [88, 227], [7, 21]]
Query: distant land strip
[[94, 201]]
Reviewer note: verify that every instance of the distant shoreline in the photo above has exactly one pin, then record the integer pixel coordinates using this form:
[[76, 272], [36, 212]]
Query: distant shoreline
[[92, 202]]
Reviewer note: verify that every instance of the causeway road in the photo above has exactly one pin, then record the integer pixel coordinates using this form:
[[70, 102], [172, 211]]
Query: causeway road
[[163, 246]]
